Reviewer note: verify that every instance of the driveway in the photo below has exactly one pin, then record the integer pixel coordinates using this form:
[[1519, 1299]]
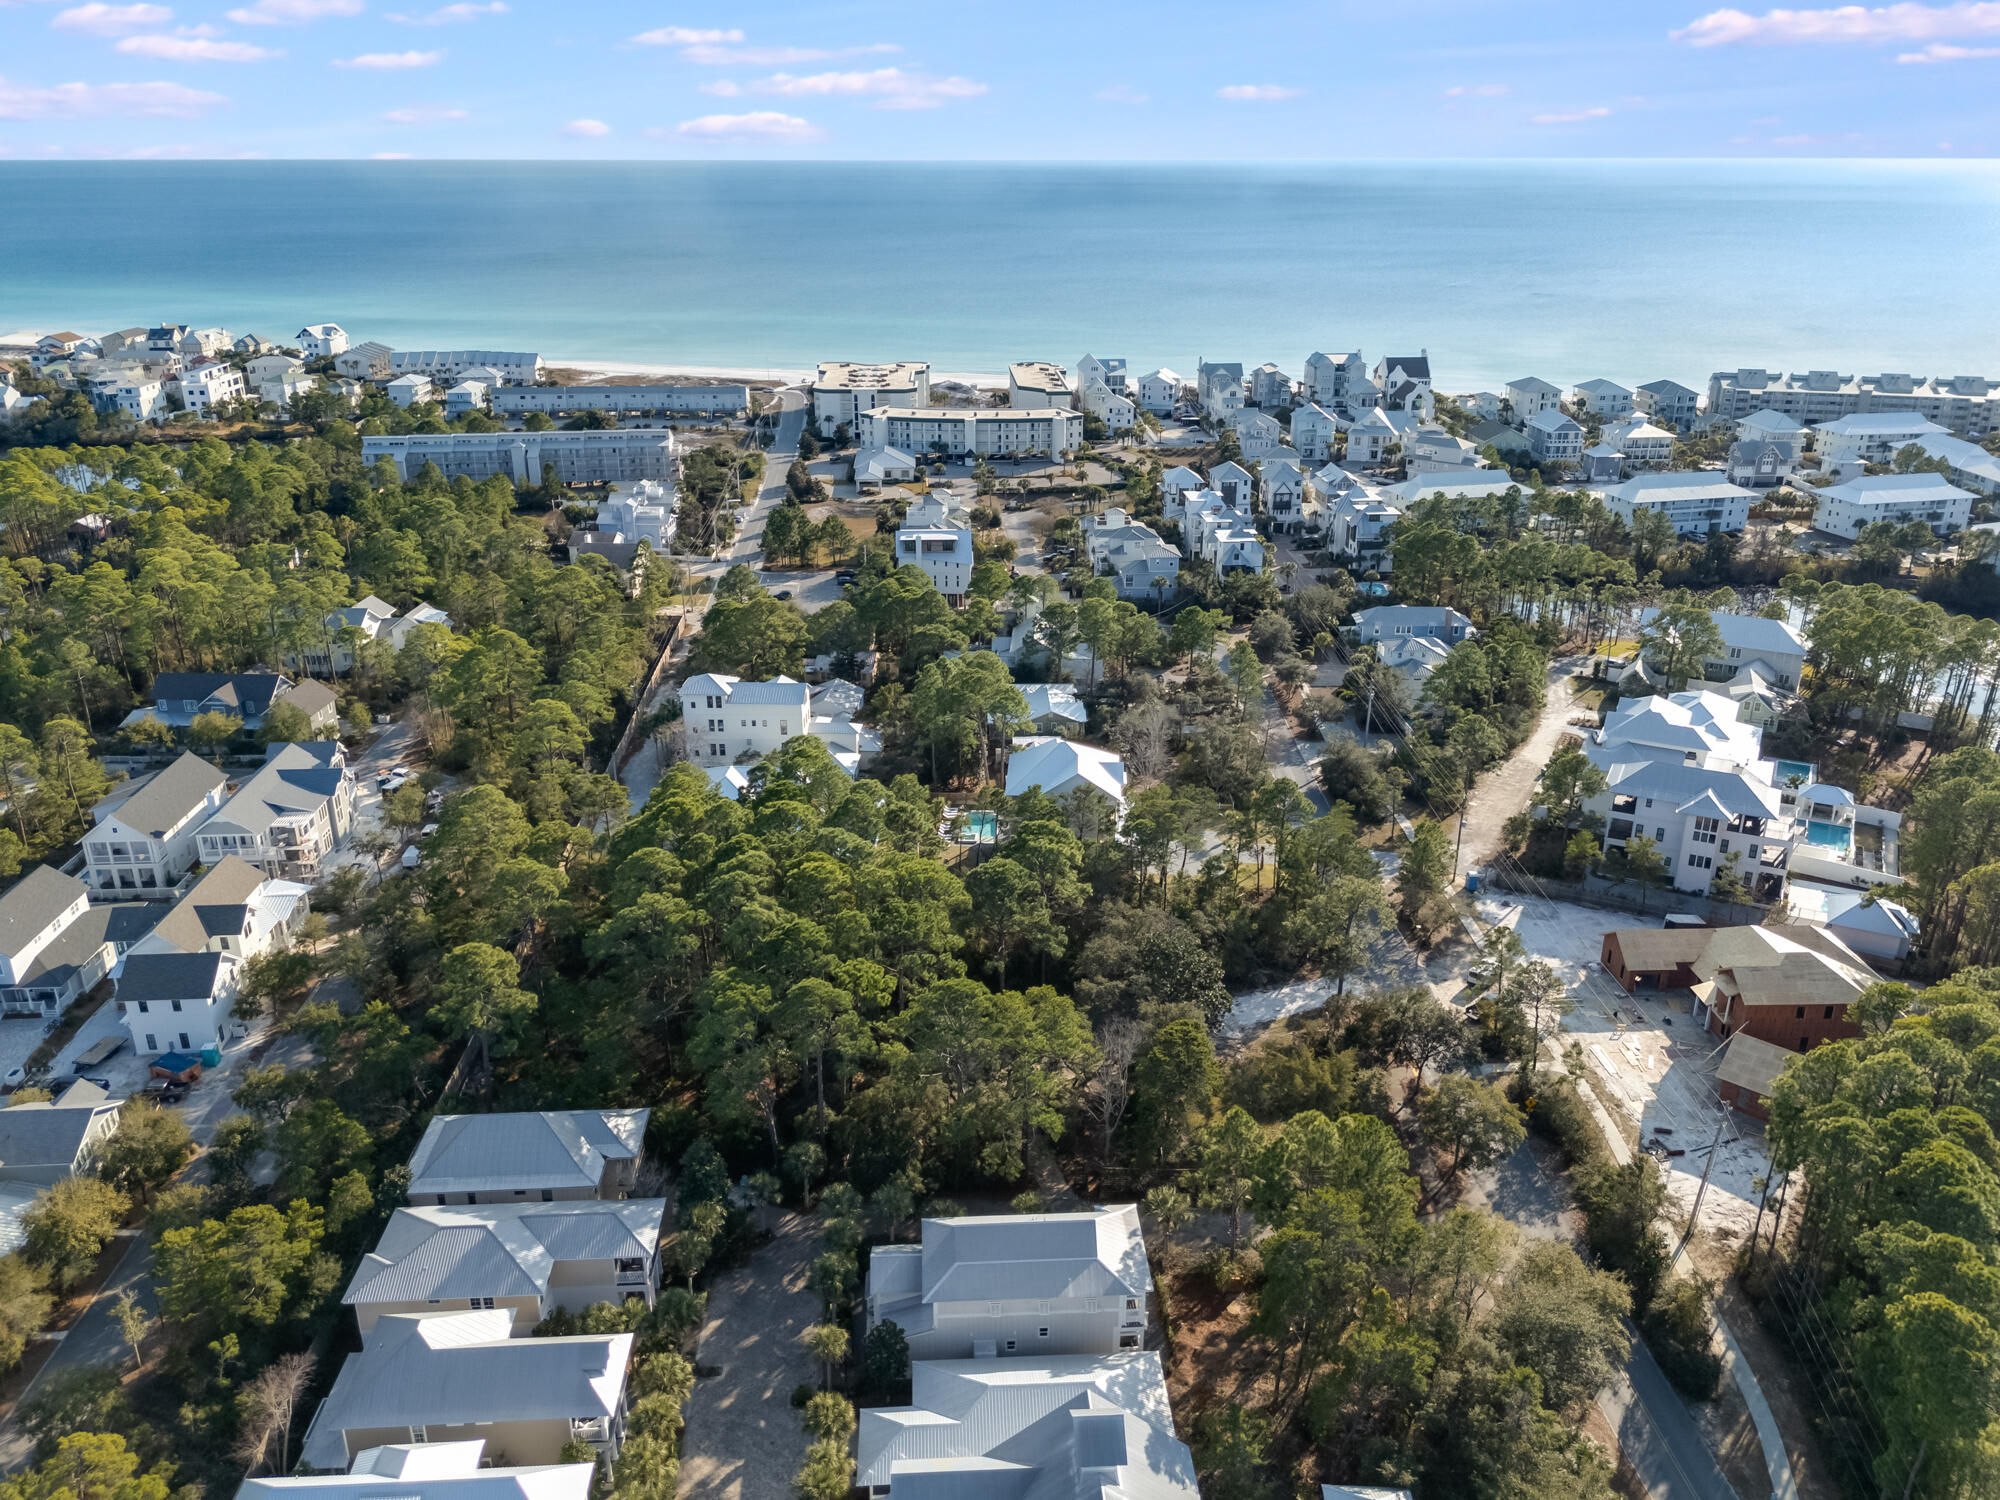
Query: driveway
[[743, 1440], [1507, 790], [748, 547]]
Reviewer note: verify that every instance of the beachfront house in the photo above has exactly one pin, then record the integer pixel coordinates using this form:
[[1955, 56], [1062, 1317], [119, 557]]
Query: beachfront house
[[1160, 391], [1332, 379], [1531, 395], [1603, 398], [1403, 383], [321, 340], [1668, 403]]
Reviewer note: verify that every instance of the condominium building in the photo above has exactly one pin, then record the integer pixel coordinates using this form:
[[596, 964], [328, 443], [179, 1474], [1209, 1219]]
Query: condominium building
[[513, 367], [1870, 437], [610, 457], [842, 391], [1696, 503], [624, 400], [1038, 383], [996, 432], [1968, 405], [1844, 509]]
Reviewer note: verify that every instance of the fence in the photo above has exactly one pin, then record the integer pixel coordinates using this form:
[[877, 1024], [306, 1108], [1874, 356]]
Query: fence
[[629, 740], [1506, 875]]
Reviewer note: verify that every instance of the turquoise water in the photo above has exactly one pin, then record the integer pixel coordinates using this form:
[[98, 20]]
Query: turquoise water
[[1632, 270], [1829, 835], [1787, 769], [982, 827]]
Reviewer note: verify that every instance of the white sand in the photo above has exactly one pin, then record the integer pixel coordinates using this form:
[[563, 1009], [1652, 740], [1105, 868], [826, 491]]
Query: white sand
[[738, 373]]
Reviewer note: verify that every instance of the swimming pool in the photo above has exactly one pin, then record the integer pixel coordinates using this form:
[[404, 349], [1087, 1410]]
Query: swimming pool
[[1829, 835], [1784, 770], [982, 828]]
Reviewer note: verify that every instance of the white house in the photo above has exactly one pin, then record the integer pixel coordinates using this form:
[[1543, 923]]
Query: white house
[[1016, 1285], [1696, 503], [554, 1156], [235, 908], [1770, 426], [1357, 526], [1085, 1427], [1179, 480], [1270, 388], [1369, 439], [466, 396], [207, 384], [1554, 437], [1389, 622], [1331, 380], [1038, 383], [142, 835], [1644, 445], [321, 340], [1970, 466], [1870, 437], [1257, 433], [1313, 429], [936, 535], [643, 511], [376, 620], [1285, 496], [407, 390], [1603, 398], [1404, 382], [40, 971], [1483, 405], [1160, 391], [1530, 395], [1116, 412], [178, 1002], [205, 343], [1760, 463], [875, 467], [1235, 484], [273, 370], [288, 818], [1219, 387], [1144, 568], [1668, 402], [1110, 373], [1059, 767], [1432, 450], [726, 720], [844, 390], [1751, 641], [1844, 509]]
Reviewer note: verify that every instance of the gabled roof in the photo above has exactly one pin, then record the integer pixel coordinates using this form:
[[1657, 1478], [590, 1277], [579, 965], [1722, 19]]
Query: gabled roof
[[778, 692], [155, 802], [1739, 792], [1534, 385], [1078, 1428], [1748, 633], [247, 692], [217, 905], [1060, 699], [283, 786], [450, 1369], [557, 1149], [1666, 388], [1763, 967], [49, 1134], [1774, 422], [34, 901], [171, 976], [499, 1250], [1040, 763], [1601, 387], [1551, 419]]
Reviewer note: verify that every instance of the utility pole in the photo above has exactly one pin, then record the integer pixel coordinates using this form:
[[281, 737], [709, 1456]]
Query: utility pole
[[1722, 1120]]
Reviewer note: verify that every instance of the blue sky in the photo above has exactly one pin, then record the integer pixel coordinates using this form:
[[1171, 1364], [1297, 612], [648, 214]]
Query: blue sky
[[944, 80]]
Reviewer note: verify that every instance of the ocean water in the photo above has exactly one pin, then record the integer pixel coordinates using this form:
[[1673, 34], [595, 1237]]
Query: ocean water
[[1630, 270]]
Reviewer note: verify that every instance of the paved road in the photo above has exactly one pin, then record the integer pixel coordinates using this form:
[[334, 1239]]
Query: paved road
[[1652, 1421], [1510, 787], [743, 1440], [748, 547]]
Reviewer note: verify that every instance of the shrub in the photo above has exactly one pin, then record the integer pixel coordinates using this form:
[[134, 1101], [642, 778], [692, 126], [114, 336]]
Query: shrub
[[1681, 1333]]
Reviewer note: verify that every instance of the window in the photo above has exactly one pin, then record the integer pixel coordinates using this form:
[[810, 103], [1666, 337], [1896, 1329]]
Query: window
[[1010, 1346], [1705, 830], [185, 1043], [1828, 1015], [481, 1303], [1805, 1044], [151, 1045], [1041, 1333], [177, 1005]]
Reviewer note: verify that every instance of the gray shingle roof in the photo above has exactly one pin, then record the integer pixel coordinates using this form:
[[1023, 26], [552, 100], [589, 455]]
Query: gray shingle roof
[[286, 784], [169, 976], [251, 692], [46, 1135], [34, 901], [493, 1153], [153, 803], [215, 907]]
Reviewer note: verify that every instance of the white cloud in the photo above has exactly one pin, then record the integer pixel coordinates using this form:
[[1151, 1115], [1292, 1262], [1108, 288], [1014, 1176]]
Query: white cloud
[[591, 128], [1942, 52], [1120, 93], [110, 20], [422, 114], [447, 14], [195, 49], [759, 125], [777, 57], [721, 88], [891, 87], [1476, 91], [1261, 93], [75, 101], [1571, 116], [293, 12], [1904, 22], [684, 36], [390, 60]]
